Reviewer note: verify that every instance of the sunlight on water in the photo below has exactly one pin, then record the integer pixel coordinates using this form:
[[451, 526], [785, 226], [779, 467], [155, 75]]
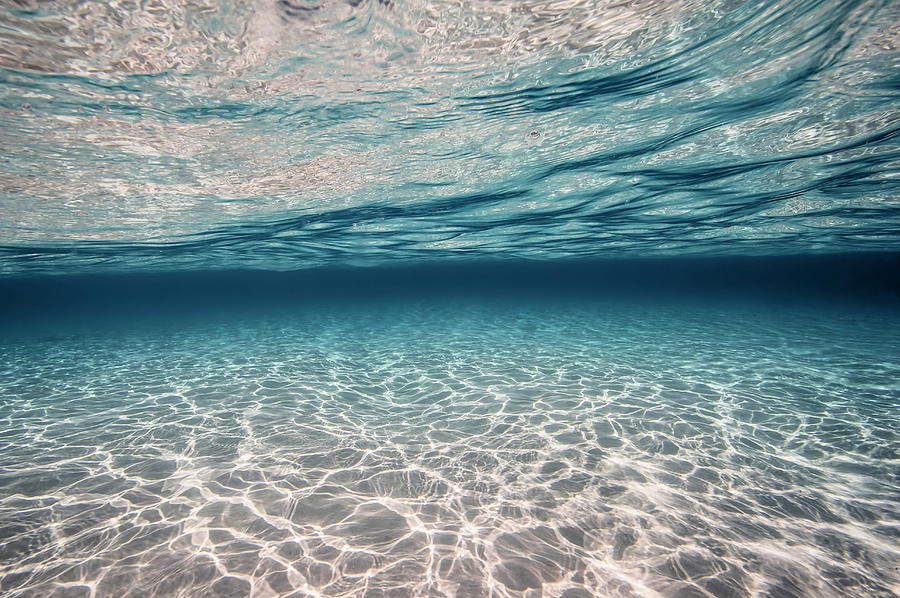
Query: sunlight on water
[[284, 135], [628, 326], [458, 450]]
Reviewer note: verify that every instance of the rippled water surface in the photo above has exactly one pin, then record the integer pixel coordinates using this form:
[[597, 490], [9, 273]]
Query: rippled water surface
[[457, 449], [299, 133]]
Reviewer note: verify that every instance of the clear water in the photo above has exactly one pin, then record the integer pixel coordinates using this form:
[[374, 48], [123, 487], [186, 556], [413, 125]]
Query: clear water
[[300, 133], [385, 299], [179, 438]]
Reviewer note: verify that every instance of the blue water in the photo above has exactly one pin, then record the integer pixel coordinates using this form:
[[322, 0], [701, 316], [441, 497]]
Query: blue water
[[268, 135], [386, 299]]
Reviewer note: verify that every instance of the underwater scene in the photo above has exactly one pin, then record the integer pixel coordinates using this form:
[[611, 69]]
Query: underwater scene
[[443, 299]]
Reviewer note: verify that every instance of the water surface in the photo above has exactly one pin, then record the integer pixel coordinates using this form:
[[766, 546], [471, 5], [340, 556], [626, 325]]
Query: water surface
[[292, 134]]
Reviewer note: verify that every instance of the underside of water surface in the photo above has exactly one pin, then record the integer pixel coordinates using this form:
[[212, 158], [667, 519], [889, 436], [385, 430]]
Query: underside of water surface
[[291, 134], [441, 299]]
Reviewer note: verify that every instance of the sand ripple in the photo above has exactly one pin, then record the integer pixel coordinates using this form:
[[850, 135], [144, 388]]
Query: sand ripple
[[455, 451]]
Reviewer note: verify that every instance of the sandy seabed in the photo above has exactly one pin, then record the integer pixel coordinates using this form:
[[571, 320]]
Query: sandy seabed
[[456, 451]]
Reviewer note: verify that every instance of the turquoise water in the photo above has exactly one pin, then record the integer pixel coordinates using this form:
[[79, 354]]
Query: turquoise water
[[464, 432], [384, 299], [295, 134]]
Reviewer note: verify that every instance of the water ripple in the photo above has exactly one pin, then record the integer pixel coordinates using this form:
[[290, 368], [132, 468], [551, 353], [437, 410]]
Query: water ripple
[[283, 135]]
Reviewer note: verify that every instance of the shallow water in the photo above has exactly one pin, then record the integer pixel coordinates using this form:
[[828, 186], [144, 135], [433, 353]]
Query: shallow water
[[477, 445], [389, 299]]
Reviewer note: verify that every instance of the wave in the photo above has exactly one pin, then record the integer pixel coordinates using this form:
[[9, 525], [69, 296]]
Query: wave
[[288, 135]]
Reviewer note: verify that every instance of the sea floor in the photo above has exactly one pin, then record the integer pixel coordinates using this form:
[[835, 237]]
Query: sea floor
[[456, 449]]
